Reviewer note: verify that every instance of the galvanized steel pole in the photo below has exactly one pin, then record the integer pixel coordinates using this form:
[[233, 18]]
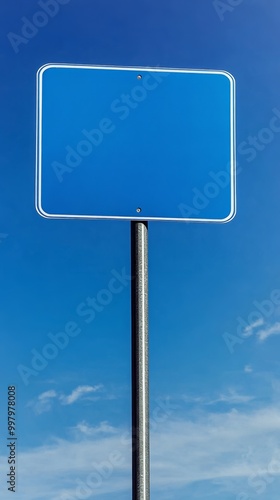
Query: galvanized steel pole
[[140, 362]]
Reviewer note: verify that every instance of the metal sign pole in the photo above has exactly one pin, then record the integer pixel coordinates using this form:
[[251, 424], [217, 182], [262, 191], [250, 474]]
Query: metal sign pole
[[140, 362]]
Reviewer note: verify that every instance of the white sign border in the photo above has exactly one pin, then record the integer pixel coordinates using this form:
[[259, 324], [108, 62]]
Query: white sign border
[[38, 180]]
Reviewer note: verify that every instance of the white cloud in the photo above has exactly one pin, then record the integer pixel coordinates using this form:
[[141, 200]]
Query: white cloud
[[248, 369], [217, 451], [265, 333], [262, 330], [218, 442], [250, 329], [47, 395], [79, 393], [193, 399], [230, 397], [58, 470], [44, 402], [103, 428]]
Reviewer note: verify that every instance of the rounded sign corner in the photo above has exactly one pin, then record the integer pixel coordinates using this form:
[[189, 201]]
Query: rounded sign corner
[[46, 67], [229, 76], [41, 212], [230, 217]]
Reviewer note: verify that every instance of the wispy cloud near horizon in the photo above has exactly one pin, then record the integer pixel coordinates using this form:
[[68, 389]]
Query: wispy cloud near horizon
[[267, 332], [44, 402], [225, 448], [231, 396], [250, 329], [83, 428], [79, 393]]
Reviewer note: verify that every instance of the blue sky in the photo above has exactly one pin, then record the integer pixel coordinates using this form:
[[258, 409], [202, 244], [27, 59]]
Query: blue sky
[[214, 289]]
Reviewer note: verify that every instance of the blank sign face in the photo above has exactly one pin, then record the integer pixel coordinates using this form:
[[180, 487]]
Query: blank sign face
[[135, 143]]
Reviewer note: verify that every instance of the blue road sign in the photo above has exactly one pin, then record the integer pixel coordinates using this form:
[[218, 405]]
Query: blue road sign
[[135, 143]]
